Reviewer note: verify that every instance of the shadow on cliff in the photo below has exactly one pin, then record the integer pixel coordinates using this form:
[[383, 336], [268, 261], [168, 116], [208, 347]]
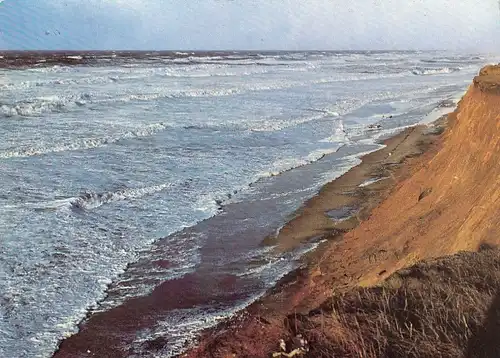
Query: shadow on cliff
[[485, 342]]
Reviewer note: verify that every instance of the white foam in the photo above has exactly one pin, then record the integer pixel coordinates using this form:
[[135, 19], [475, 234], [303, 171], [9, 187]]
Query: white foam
[[436, 114], [181, 327], [162, 92], [286, 164], [91, 200], [39, 105], [371, 181], [333, 139], [434, 71], [340, 169], [320, 153], [182, 262], [273, 125], [68, 81]]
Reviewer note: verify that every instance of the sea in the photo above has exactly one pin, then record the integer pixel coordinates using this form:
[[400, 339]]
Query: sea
[[130, 174]]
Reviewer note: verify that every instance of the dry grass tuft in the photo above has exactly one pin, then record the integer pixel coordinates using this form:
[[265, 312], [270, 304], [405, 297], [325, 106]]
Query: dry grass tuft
[[448, 307]]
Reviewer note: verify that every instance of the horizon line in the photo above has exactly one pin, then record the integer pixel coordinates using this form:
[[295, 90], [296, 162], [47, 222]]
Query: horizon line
[[226, 50]]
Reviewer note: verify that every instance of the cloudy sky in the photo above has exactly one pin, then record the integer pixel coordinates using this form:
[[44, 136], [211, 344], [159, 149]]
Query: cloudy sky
[[250, 24]]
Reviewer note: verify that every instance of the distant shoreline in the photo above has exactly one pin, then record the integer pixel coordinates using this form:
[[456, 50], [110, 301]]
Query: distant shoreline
[[42, 58]]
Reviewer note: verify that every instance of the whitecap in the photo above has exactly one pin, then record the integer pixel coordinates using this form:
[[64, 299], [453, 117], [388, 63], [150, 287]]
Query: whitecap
[[419, 71]]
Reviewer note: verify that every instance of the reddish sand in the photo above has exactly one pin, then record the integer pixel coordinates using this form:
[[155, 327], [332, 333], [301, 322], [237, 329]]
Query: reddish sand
[[440, 202]]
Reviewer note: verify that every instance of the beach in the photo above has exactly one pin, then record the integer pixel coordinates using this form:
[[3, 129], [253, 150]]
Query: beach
[[360, 190]]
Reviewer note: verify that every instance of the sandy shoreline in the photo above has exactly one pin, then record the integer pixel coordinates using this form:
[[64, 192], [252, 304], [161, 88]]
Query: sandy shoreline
[[339, 207]]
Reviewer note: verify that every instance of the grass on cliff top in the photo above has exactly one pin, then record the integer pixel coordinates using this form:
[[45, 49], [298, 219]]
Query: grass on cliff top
[[448, 307]]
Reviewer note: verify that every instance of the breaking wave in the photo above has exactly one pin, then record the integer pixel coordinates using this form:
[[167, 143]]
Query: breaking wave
[[64, 103], [91, 200], [283, 165], [40, 105], [421, 71], [82, 144]]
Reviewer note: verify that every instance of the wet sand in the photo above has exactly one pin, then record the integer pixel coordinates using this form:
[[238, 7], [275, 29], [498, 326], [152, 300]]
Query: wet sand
[[338, 208], [325, 214]]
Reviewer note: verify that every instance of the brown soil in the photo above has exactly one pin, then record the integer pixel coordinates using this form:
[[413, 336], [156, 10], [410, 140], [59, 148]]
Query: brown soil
[[443, 197]]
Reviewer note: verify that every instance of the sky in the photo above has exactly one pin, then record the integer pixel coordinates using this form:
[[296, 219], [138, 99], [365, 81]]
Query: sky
[[250, 24]]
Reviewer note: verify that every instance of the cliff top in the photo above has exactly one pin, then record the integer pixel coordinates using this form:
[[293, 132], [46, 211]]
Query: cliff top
[[488, 79]]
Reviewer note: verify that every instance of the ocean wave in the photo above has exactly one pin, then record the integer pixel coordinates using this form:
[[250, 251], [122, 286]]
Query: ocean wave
[[82, 144], [420, 71], [325, 111], [51, 69], [185, 71], [91, 200], [37, 106], [372, 181], [212, 203], [453, 59], [336, 111], [283, 165], [274, 125], [200, 92], [124, 76], [184, 256], [181, 326], [62, 81]]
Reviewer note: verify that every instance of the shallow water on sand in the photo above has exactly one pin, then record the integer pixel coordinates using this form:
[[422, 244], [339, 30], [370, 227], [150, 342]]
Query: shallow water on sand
[[113, 161]]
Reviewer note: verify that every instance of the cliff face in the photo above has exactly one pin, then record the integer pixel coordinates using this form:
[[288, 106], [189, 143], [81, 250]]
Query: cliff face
[[453, 202]]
